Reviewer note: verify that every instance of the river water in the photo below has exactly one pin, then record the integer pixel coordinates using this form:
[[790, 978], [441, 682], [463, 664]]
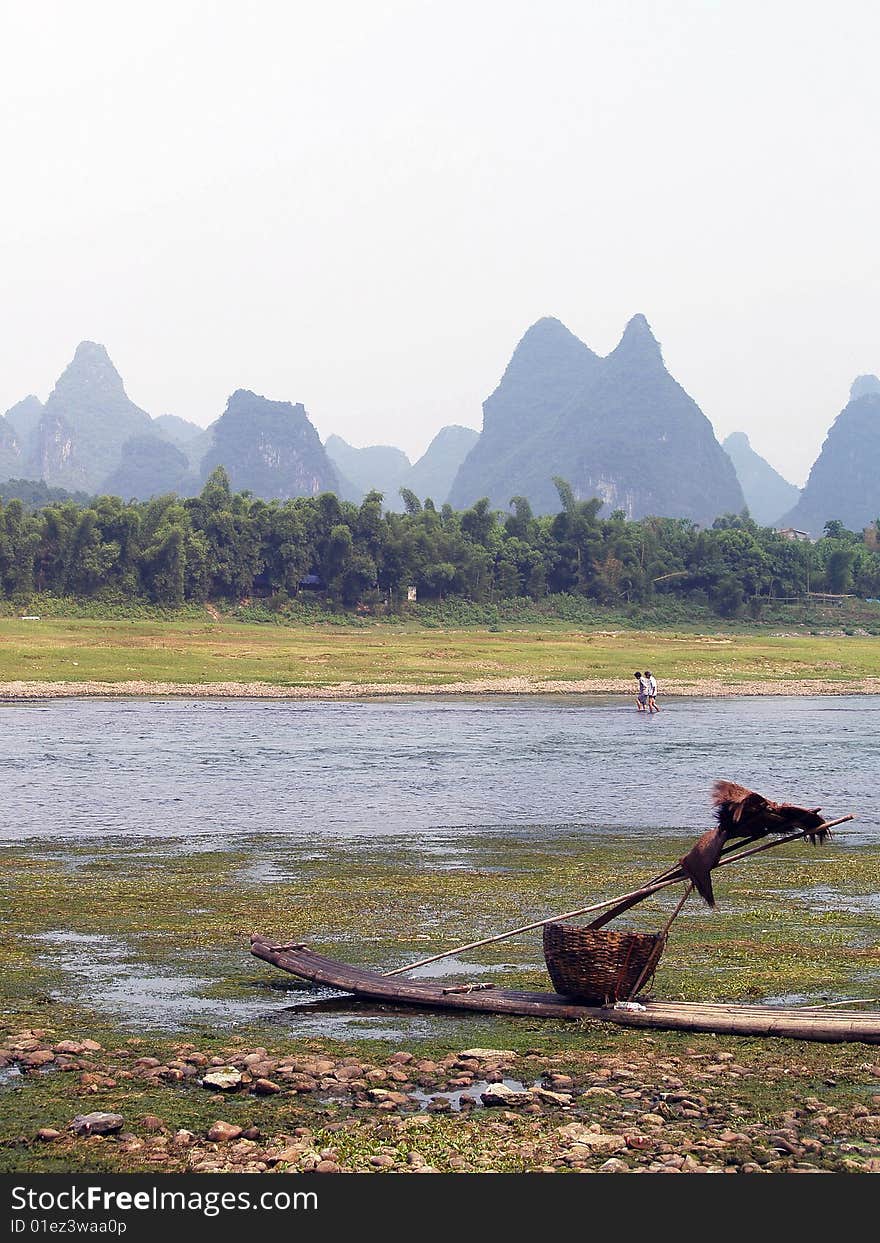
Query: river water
[[433, 779], [216, 771]]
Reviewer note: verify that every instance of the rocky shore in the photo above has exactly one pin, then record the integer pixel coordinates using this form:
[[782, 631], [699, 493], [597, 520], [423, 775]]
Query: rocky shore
[[753, 1108], [711, 688]]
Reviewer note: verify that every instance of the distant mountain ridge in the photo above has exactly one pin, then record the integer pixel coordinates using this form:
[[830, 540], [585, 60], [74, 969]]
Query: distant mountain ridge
[[863, 386], [150, 466], [24, 417], [179, 431], [619, 428], [269, 448], [768, 495], [387, 469], [434, 473], [845, 480], [90, 438], [379, 467], [10, 449], [34, 494], [548, 369], [85, 422]]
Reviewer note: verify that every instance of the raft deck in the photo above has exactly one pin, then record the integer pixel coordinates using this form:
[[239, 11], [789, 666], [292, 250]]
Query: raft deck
[[799, 1024]]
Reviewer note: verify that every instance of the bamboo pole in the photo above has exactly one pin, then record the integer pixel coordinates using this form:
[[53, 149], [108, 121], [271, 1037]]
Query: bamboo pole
[[632, 899], [646, 891], [651, 964], [855, 1001]]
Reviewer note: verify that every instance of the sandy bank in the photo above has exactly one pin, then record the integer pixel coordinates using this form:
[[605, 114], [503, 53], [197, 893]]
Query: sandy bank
[[708, 688]]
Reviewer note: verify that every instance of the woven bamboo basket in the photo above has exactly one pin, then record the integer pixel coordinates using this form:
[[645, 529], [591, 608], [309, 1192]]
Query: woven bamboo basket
[[596, 965]]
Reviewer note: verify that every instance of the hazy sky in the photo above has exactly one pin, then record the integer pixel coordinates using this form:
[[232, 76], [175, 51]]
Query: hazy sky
[[363, 205]]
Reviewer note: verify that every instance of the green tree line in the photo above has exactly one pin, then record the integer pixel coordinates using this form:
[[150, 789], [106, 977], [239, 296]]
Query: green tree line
[[229, 546]]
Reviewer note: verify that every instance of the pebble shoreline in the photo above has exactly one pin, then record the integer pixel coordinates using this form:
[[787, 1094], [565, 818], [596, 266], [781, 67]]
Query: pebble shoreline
[[646, 1112], [705, 688]]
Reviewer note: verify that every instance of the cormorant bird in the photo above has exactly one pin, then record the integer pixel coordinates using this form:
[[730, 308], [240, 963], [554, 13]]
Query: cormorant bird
[[743, 813]]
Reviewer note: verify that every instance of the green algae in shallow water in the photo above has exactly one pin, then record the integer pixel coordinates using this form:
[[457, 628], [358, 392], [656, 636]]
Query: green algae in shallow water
[[169, 929]]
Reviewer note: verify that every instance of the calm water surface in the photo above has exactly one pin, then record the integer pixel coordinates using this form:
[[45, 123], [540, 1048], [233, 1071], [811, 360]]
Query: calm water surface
[[210, 769]]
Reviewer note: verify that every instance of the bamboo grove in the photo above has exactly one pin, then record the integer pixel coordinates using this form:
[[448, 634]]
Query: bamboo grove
[[229, 546]]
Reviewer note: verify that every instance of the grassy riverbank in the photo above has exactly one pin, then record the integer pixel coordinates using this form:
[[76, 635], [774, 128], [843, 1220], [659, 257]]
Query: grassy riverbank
[[143, 949], [202, 654]]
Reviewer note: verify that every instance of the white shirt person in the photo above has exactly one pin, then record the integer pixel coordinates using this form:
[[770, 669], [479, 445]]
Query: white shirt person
[[651, 683]]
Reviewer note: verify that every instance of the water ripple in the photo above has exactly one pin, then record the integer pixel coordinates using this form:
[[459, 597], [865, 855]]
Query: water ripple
[[216, 769]]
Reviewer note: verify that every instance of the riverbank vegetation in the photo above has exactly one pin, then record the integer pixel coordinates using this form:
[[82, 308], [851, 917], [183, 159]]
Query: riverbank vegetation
[[171, 552]]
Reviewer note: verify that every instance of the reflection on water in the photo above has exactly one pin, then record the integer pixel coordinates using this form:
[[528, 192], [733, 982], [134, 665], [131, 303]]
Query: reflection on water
[[107, 972], [827, 898], [345, 1018], [104, 971], [472, 1094]]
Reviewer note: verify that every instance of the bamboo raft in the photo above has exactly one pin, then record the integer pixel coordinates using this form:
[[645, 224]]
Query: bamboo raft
[[801, 1024], [593, 967]]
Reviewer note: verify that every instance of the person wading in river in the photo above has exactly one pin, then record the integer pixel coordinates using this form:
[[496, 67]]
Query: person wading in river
[[652, 691], [642, 694]]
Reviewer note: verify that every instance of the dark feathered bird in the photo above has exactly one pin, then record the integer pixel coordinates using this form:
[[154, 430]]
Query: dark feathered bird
[[743, 813]]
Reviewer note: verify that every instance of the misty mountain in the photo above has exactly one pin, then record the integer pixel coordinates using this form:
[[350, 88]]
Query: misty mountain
[[549, 368], [270, 448], [861, 386], [34, 494], [387, 469], [433, 474], [179, 431], [85, 422], [149, 466], [196, 448], [845, 480], [619, 428], [379, 467], [17, 431], [25, 416], [11, 456], [192, 440], [767, 494], [89, 437]]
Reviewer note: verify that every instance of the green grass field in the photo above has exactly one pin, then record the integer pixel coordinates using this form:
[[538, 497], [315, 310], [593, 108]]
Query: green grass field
[[314, 656]]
